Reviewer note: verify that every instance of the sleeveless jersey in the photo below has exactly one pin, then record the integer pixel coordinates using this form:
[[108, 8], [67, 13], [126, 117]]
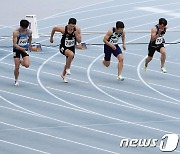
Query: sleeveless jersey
[[68, 40], [114, 38], [160, 40], [23, 39]]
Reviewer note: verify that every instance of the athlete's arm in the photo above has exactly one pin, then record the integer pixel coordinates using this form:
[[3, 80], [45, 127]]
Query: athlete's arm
[[15, 37], [154, 36], [30, 39], [56, 29], [106, 37], [123, 41], [78, 34]]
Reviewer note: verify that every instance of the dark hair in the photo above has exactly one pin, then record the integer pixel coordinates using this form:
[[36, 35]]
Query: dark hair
[[24, 23], [72, 21], [119, 24], [162, 21]]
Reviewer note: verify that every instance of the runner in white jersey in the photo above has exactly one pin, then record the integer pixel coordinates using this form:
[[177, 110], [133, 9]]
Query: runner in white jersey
[[111, 46], [22, 38], [156, 43]]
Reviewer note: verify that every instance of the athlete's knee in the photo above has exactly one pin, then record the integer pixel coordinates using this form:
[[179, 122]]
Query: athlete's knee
[[163, 53], [26, 65], [71, 55], [121, 60], [16, 68], [107, 65]]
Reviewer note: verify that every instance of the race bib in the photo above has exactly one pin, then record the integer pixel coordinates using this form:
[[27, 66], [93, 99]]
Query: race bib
[[23, 41], [159, 40], [113, 41], [69, 43]]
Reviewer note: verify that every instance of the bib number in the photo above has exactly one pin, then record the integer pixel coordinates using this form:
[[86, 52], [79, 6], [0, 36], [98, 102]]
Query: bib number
[[69, 43], [113, 41], [23, 41], [159, 40]]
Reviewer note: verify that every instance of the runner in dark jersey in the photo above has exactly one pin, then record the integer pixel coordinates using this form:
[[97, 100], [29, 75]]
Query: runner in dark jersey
[[70, 35], [157, 43], [111, 46], [22, 38]]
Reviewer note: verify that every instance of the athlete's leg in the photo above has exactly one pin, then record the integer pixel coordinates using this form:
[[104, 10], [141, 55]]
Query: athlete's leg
[[120, 64], [70, 55], [163, 58], [16, 69], [151, 52], [107, 55], [148, 59]]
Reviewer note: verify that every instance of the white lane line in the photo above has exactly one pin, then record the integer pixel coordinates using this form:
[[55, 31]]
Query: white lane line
[[25, 147], [5, 57], [136, 94], [59, 138], [164, 86], [105, 8], [159, 72], [66, 124], [41, 101], [6, 77], [17, 106], [130, 18], [97, 71], [77, 8], [160, 11], [87, 125], [73, 79]]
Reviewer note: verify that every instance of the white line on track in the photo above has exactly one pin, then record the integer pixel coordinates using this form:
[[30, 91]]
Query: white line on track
[[24, 147]]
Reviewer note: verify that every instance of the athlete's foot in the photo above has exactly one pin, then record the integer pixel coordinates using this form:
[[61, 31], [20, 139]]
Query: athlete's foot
[[16, 83], [163, 70], [64, 78], [68, 72], [120, 78], [145, 66]]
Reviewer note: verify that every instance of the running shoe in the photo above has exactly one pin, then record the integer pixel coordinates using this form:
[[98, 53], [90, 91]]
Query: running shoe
[[16, 83], [163, 70], [145, 66], [64, 78], [120, 78], [68, 72]]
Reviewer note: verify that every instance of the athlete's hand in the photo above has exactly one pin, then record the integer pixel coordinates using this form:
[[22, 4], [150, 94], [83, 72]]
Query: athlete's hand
[[51, 39], [23, 50], [30, 48], [124, 47], [160, 31], [113, 47]]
